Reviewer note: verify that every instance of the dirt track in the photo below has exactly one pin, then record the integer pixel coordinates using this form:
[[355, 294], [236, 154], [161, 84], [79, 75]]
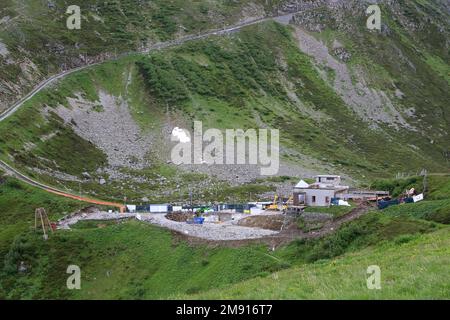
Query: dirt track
[[158, 46], [292, 232], [11, 171]]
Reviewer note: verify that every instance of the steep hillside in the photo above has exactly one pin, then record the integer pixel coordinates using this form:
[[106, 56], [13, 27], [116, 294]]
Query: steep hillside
[[17, 204], [135, 260], [109, 127], [411, 269], [367, 105], [35, 42]]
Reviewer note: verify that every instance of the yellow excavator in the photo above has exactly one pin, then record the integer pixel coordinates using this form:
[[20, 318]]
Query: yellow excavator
[[289, 202], [275, 206]]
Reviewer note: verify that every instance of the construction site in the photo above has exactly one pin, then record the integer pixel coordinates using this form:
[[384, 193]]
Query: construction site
[[311, 211]]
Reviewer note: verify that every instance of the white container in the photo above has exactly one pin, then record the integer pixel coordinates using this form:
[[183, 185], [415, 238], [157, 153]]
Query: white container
[[131, 208], [158, 208]]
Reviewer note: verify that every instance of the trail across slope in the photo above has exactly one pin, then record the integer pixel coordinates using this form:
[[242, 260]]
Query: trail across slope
[[158, 46], [10, 170], [44, 84]]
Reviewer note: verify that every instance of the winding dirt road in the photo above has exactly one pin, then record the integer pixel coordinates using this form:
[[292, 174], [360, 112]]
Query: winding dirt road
[[284, 18]]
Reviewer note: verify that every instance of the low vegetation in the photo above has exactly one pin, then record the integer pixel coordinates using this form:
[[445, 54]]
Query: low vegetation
[[335, 211], [135, 260], [243, 80], [255, 78], [17, 204], [413, 267]]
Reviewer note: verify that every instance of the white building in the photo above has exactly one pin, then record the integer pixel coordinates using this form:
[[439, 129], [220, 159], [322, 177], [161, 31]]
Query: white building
[[319, 193]]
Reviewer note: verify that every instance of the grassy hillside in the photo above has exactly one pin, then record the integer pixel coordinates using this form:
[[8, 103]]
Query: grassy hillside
[[245, 80], [252, 73], [134, 260], [415, 269], [118, 260], [436, 206], [39, 44], [367, 105], [437, 186], [130, 260], [17, 204]]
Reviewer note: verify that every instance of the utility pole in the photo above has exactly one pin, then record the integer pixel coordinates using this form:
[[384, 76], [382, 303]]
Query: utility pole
[[425, 182]]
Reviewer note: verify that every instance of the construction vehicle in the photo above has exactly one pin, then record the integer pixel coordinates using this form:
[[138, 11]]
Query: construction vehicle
[[278, 204], [274, 205], [289, 202]]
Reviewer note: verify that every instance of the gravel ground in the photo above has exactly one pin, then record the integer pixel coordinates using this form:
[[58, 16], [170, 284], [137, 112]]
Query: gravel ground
[[209, 231], [113, 129], [65, 223], [370, 105]]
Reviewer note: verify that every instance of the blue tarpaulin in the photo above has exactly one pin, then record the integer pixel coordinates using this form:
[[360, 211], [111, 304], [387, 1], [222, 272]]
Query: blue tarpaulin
[[335, 201], [383, 204], [409, 200]]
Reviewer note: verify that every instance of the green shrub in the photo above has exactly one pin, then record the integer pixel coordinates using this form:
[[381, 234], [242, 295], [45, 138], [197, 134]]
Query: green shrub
[[441, 215]]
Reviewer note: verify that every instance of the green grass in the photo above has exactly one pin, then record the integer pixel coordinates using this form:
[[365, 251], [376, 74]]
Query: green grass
[[133, 260], [437, 210], [369, 230], [412, 270], [439, 66], [18, 202], [130, 260], [107, 27], [420, 73], [438, 186], [334, 212], [226, 82]]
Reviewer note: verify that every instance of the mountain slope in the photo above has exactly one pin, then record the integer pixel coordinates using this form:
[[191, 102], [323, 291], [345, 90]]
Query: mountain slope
[[412, 270], [359, 103], [347, 100], [35, 42], [135, 260]]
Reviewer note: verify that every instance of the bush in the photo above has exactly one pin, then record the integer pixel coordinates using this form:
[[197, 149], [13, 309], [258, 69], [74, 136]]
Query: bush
[[442, 215], [20, 250], [405, 238]]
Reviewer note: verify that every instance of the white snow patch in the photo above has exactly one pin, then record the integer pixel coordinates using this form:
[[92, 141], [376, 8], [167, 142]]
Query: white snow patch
[[180, 135]]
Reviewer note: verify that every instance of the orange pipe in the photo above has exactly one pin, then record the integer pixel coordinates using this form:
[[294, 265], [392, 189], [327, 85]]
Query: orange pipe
[[104, 203]]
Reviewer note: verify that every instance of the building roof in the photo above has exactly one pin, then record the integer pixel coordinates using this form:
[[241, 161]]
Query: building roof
[[302, 184]]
